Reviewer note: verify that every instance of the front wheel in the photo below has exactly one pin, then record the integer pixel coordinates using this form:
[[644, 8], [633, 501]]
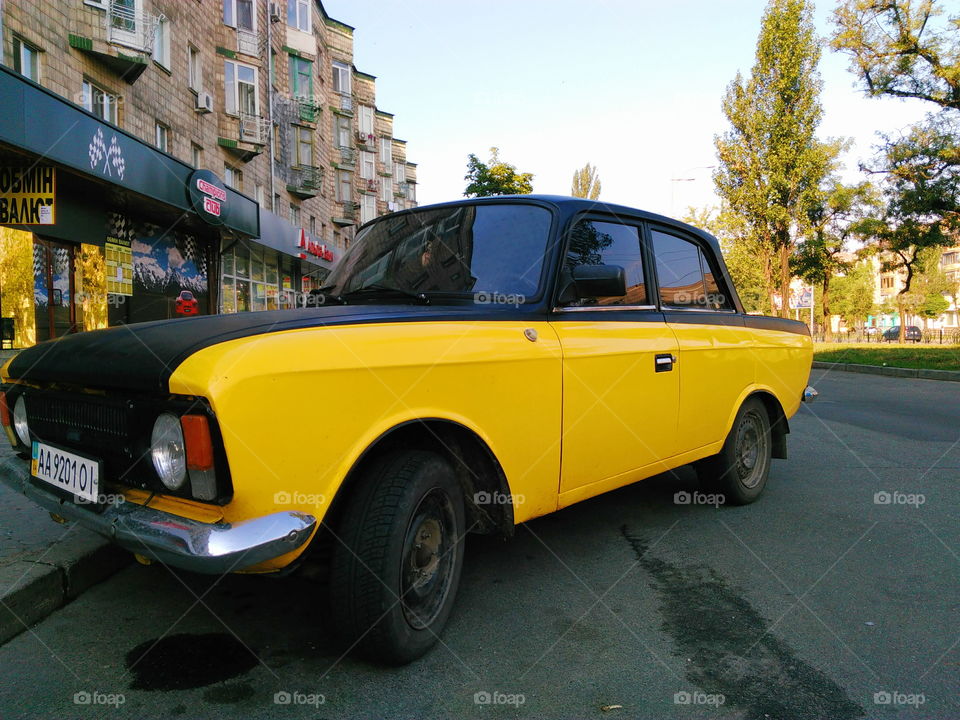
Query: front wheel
[[739, 471], [397, 560]]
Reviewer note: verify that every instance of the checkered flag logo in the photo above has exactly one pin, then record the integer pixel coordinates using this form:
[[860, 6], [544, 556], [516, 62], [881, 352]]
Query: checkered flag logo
[[96, 150], [115, 157]]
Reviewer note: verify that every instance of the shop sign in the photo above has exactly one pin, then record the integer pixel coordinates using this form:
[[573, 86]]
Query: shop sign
[[28, 195], [119, 259], [207, 195], [311, 247]]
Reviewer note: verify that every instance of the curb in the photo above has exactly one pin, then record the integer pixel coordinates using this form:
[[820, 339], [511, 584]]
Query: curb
[[33, 589], [948, 375]]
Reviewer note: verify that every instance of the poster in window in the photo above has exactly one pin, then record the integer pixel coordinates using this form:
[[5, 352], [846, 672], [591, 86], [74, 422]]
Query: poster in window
[[118, 256], [170, 276]]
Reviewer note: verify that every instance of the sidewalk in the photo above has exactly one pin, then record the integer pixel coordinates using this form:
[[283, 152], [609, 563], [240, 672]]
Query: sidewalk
[[43, 564]]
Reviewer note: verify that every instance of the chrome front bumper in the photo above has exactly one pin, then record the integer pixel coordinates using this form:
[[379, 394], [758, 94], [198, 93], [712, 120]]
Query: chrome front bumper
[[214, 548], [809, 394]]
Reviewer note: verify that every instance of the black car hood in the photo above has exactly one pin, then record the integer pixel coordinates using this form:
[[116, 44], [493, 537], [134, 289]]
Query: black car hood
[[143, 356]]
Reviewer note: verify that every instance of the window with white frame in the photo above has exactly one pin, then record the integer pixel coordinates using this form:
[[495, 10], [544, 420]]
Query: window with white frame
[[399, 172], [196, 155], [366, 120], [368, 208], [26, 59], [240, 88], [368, 169], [341, 78], [294, 215], [194, 69], [240, 14], [386, 153], [386, 189], [161, 136], [298, 14], [341, 131], [412, 192], [232, 177], [100, 102], [344, 186], [161, 42]]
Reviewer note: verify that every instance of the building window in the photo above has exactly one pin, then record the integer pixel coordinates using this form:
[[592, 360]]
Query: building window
[[161, 135], [341, 78], [399, 172], [301, 77], [240, 88], [100, 102], [161, 43], [368, 208], [240, 14], [412, 191], [386, 189], [344, 186], [194, 69], [196, 155], [386, 153], [368, 169], [366, 120], [313, 225], [341, 131], [303, 145], [294, 215], [232, 177], [26, 59], [298, 14], [258, 194]]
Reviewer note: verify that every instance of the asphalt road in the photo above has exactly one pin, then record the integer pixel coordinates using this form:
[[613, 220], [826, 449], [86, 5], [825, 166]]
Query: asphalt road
[[821, 600]]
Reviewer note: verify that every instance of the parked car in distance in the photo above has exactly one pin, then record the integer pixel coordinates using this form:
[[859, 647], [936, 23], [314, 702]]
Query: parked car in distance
[[186, 304], [911, 334], [456, 347]]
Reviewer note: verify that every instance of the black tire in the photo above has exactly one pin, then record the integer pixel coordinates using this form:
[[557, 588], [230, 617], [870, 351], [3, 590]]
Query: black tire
[[397, 562], [739, 471]]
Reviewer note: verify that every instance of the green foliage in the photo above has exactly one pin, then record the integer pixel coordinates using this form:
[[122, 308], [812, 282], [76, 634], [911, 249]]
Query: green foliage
[[495, 178], [852, 294], [771, 163], [586, 183]]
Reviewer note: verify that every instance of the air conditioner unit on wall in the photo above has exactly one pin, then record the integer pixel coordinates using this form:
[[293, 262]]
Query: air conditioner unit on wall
[[275, 14], [204, 103]]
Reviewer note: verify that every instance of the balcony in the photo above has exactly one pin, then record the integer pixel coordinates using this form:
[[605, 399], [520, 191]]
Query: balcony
[[254, 129], [346, 103], [126, 25], [348, 216], [248, 43], [307, 109], [307, 181], [348, 156]]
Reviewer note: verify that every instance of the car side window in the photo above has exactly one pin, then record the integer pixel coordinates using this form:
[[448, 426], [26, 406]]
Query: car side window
[[593, 242], [686, 277]]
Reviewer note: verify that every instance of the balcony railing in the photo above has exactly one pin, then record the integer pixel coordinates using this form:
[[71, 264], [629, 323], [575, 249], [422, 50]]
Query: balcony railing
[[126, 25], [254, 129], [346, 103], [248, 43], [307, 109], [350, 210], [307, 178], [348, 156]]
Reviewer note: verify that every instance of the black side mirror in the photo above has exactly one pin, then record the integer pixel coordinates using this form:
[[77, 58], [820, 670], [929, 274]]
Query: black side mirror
[[599, 281]]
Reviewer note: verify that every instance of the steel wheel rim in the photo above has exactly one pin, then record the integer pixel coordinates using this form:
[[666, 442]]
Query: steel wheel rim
[[428, 558], [751, 450]]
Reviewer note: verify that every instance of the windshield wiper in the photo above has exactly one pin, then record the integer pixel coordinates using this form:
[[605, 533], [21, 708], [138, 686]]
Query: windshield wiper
[[382, 290]]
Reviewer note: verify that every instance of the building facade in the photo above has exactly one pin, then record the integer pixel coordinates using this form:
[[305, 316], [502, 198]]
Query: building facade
[[262, 97]]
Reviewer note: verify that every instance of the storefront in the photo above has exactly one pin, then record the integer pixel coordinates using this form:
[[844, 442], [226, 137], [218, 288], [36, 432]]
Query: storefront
[[99, 228]]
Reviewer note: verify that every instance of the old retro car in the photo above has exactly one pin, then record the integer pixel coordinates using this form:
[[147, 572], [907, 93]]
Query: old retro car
[[473, 365]]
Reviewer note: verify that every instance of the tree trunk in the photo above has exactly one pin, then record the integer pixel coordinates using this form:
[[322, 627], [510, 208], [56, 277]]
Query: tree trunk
[[827, 327], [785, 280], [903, 316]]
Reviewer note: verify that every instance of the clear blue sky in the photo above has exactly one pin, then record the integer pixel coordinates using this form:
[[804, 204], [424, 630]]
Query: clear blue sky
[[632, 87]]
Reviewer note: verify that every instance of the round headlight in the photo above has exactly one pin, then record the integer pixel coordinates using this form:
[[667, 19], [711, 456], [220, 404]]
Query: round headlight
[[167, 451], [20, 420]]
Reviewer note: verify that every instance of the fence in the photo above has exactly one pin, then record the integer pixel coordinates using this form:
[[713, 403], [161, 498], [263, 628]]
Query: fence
[[941, 336]]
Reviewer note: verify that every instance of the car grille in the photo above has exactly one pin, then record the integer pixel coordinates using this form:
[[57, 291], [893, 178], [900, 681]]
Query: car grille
[[54, 417]]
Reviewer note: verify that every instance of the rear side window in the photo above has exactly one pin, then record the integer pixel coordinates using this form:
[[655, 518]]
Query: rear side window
[[686, 278], [593, 242]]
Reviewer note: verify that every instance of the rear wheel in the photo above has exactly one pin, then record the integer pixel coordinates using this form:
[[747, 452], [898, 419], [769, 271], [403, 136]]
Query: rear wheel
[[397, 563], [739, 471]]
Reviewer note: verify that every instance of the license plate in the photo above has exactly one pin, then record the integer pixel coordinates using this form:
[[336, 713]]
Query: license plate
[[67, 471]]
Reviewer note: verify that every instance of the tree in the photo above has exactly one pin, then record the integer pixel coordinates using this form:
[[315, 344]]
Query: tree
[[833, 220], [771, 163], [853, 294], [586, 183], [931, 285], [901, 48], [495, 178]]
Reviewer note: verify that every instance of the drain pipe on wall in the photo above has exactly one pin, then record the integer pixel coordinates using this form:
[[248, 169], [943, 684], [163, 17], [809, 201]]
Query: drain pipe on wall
[[270, 65]]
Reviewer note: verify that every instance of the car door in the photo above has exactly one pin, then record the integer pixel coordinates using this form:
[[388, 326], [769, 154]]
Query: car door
[[717, 358], [620, 389]]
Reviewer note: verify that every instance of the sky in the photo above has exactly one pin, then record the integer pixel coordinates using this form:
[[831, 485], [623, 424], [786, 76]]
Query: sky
[[634, 88]]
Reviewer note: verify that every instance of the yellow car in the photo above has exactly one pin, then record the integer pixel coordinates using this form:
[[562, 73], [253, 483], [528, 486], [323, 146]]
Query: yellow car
[[469, 366]]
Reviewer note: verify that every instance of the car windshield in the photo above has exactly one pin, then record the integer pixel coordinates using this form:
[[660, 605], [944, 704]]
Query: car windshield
[[479, 250], [186, 295]]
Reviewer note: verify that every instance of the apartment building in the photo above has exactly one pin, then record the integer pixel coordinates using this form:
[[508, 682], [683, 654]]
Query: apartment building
[[176, 157], [888, 285]]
